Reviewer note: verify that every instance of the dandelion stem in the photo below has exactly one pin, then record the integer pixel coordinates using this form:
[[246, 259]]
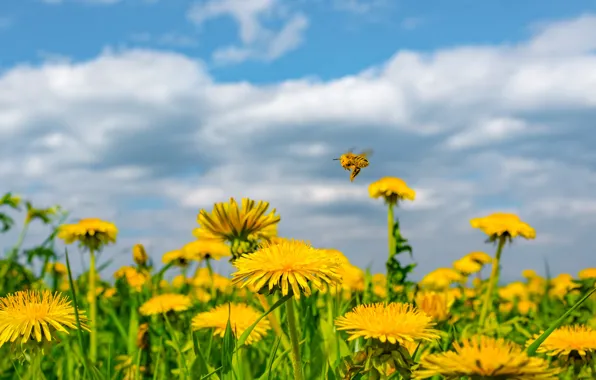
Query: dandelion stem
[[390, 222], [92, 308], [492, 281], [296, 360], [274, 322]]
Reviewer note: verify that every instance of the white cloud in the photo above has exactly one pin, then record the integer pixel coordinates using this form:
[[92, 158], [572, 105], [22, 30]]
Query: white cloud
[[360, 6], [146, 138], [258, 41]]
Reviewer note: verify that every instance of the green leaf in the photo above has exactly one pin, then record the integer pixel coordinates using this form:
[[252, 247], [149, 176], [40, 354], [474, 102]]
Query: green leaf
[[534, 346]]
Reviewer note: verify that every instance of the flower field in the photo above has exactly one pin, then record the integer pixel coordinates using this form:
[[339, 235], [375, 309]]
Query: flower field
[[289, 310]]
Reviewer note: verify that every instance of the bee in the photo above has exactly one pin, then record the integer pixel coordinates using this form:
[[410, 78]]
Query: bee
[[354, 161]]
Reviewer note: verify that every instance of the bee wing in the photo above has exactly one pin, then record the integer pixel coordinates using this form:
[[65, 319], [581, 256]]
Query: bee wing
[[367, 153]]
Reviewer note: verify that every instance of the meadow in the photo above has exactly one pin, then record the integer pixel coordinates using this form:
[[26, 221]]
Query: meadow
[[289, 310]]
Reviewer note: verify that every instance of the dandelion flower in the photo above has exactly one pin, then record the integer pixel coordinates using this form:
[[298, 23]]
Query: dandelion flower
[[484, 358], [91, 233], [135, 278], [206, 249], [139, 254], [467, 266], [587, 274], [178, 257], [503, 224], [241, 317], [441, 278], [293, 266], [36, 315], [576, 340], [391, 189], [57, 269], [529, 274], [393, 323], [229, 222], [480, 257], [437, 305], [165, 303]]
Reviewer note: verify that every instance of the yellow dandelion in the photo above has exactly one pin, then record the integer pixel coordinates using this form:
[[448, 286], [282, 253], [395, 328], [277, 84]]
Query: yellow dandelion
[[36, 315], [576, 340], [503, 224], [393, 323], [467, 266], [392, 189], [484, 358], [229, 222], [441, 278], [526, 307], [142, 340], [529, 274], [437, 305], [139, 254], [480, 257], [587, 274], [241, 316], [291, 266], [204, 279], [514, 290], [135, 278], [57, 269], [92, 233], [178, 257], [206, 249], [165, 303]]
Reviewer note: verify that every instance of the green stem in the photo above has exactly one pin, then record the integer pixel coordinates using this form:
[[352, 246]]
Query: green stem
[[390, 245], [210, 270], [14, 252], [390, 222], [93, 309], [492, 281], [296, 360]]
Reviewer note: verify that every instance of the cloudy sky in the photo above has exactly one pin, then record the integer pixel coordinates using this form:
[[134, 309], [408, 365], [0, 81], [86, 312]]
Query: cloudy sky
[[142, 112]]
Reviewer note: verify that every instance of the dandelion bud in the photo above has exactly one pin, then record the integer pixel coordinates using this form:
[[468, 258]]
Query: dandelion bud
[[139, 254]]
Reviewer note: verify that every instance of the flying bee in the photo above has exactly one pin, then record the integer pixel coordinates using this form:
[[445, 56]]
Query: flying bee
[[354, 161]]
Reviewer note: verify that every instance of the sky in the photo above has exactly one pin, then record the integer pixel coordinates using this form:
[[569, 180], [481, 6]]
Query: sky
[[142, 112]]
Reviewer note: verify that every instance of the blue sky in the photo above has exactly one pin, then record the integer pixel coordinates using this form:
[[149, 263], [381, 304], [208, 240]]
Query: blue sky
[[143, 112]]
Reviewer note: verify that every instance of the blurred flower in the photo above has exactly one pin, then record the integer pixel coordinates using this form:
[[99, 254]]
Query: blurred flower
[[529, 274], [128, 369], [505, 307], [241, 317], [34, 315], [134, 277], [392, 189], [569, 341], [200, 295], [179, 281], [57, 269], [379, 282], [203, 278], [561, 285], [526, 307], [503, 224], [513, 290], [467, 266], [292, 266], [480, 257], [178, 257], [437, 305], [393, 323], [43, 214], [165, 303], [206, 249], [587, 273], [91, 233], [229, 222], [139, 255], [441, 278], [484, 358]]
